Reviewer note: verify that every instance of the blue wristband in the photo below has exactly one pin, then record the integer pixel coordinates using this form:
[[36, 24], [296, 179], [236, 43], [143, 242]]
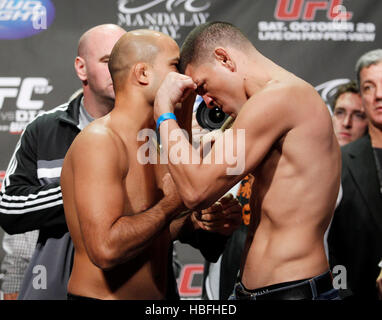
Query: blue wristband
[[164, 117]]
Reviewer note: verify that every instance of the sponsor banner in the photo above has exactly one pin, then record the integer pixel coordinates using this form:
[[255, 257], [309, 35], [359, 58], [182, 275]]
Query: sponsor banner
[[22, 19], [190, 281], [299, 20], [175, 18], [26, 96]]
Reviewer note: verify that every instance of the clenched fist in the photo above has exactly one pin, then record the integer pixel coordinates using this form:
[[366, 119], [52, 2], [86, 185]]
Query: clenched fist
[[174, 89]]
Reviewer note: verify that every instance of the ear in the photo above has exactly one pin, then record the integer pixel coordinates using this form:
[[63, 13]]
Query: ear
[[141, 73], [80, 67], [223, 57]]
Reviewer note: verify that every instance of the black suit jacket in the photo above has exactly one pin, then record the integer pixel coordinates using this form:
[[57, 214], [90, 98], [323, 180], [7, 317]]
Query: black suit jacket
[[355, 235]]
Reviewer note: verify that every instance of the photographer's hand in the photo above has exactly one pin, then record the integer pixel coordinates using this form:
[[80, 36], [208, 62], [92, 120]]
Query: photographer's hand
[[223, 217]]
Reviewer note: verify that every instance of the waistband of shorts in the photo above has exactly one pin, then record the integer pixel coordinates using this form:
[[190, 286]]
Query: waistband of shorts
[[71, 296], [292, 290]]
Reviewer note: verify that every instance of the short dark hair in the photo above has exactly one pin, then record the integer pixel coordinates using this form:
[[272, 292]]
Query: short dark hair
[[197, 46], [351, 87]]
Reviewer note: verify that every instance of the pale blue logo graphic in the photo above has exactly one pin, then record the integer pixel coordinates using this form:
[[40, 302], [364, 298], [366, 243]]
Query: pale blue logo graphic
[[24, 18]]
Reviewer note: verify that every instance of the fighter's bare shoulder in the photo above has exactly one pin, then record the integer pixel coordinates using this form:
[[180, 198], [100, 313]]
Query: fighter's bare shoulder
[[98, 144], [284, 102]]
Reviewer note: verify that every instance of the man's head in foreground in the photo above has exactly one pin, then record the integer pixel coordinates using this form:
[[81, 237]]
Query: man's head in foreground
[[214, 56], [140, 60]]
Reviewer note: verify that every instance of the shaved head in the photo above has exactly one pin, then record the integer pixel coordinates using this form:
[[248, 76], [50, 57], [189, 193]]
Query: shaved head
[[134, 47], [94, 48], [86, 39]]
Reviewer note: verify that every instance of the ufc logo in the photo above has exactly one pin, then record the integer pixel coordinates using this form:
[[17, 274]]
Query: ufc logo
[[186, 287], [307, 10], [12, 87]]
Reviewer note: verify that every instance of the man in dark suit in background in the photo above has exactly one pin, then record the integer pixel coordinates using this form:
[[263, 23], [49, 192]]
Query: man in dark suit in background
[[355, 236]]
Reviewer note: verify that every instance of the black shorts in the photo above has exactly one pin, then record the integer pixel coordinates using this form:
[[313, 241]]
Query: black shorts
[[316, 288], [76, 297]]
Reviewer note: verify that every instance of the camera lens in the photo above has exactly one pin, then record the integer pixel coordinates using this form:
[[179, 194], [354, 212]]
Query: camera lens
[[216, 115], [210, 119]]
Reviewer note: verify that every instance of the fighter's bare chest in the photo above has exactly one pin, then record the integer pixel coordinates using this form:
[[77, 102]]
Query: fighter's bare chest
[[272, 161], [143, 185]]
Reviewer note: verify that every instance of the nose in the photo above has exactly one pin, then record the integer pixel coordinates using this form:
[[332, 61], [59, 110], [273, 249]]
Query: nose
[[378, 92], [347, 121]]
